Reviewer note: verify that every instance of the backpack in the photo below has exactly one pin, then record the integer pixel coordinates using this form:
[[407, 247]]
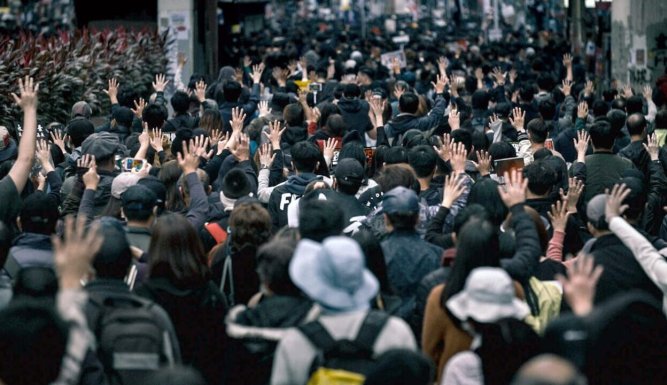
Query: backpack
[[548, 296], [131, 343], [343, 362]]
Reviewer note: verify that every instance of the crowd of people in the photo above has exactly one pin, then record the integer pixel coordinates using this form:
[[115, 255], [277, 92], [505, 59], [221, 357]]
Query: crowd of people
[[482, 213]]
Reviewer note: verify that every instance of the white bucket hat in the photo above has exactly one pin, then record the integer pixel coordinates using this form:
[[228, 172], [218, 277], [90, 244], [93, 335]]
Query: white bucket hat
[[333, 273], [488, 296]]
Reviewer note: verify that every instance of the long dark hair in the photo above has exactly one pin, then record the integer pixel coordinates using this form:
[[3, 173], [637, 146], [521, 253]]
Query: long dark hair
[[506, 345], [485, 193], [375, 262], [169, 174], [478, 246], [175, 251]]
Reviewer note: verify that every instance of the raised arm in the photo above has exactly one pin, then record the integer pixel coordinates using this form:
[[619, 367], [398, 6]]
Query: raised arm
[[20, 171], [526, 257], [649, 258]]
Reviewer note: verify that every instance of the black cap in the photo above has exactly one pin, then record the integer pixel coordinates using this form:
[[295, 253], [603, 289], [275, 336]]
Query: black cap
[[35, 282], [156, 186], [79, 129], [138, 198], [349, 170], [235, 184], [123, 116]]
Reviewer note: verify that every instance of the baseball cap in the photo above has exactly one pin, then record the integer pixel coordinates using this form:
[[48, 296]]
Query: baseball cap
[[138, 198], [400, 200], [595, 210], [122, 182], [8, 147], [102, 145], [158, 188], [349, 170]]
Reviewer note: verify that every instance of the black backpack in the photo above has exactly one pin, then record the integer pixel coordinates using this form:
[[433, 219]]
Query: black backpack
[[131, 342], [343, 361]]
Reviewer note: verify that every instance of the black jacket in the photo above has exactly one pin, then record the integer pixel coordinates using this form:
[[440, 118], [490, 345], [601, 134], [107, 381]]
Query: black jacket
[[622, 272], [254, 334], [178, 122], [197, 311], [404, 122], [284, 194], [355, 114]]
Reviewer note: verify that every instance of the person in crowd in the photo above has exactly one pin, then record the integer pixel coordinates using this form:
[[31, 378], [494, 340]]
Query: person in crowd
[[139, 207], [333, 274], [179, 281], [494, 316], [409, 258], [255, 331], [478, 246]]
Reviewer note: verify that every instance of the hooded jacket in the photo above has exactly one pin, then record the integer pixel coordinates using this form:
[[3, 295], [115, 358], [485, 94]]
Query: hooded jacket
[[254, 334], [404, 121], [355, 113], [283, 194], [32, 249]]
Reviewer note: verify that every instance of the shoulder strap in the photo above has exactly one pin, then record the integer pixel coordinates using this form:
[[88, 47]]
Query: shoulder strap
[[216, 231], [12, 266], [371, 328], [318, 336], [227, 275]]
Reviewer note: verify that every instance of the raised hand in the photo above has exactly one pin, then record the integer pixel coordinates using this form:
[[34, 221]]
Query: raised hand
[[73, 255], [222, 143], [454, 119], [112, 90], [514, 190], [647, 92], [652, 147], [200, 91], [257, 71], [90, 178], [274, 134], [517, 119], [581, 145], [329, 148], [263, 108], [440, 83], [582, 110], [43, 155], [558, 216], [266, 156], [144, 137], [459, 156], [238, 118], [614, 206], [579, 285], [513, 75], [242, 149], [443, 63], [445, 151], [454, 188], [188, 160], [399, 91], [59, 140], [574, 190], [156, 140], [483, 163], [567, 60], [498, 74], [201, 146], [567, 87], [160, 83], [139, 108], [588, 88]]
